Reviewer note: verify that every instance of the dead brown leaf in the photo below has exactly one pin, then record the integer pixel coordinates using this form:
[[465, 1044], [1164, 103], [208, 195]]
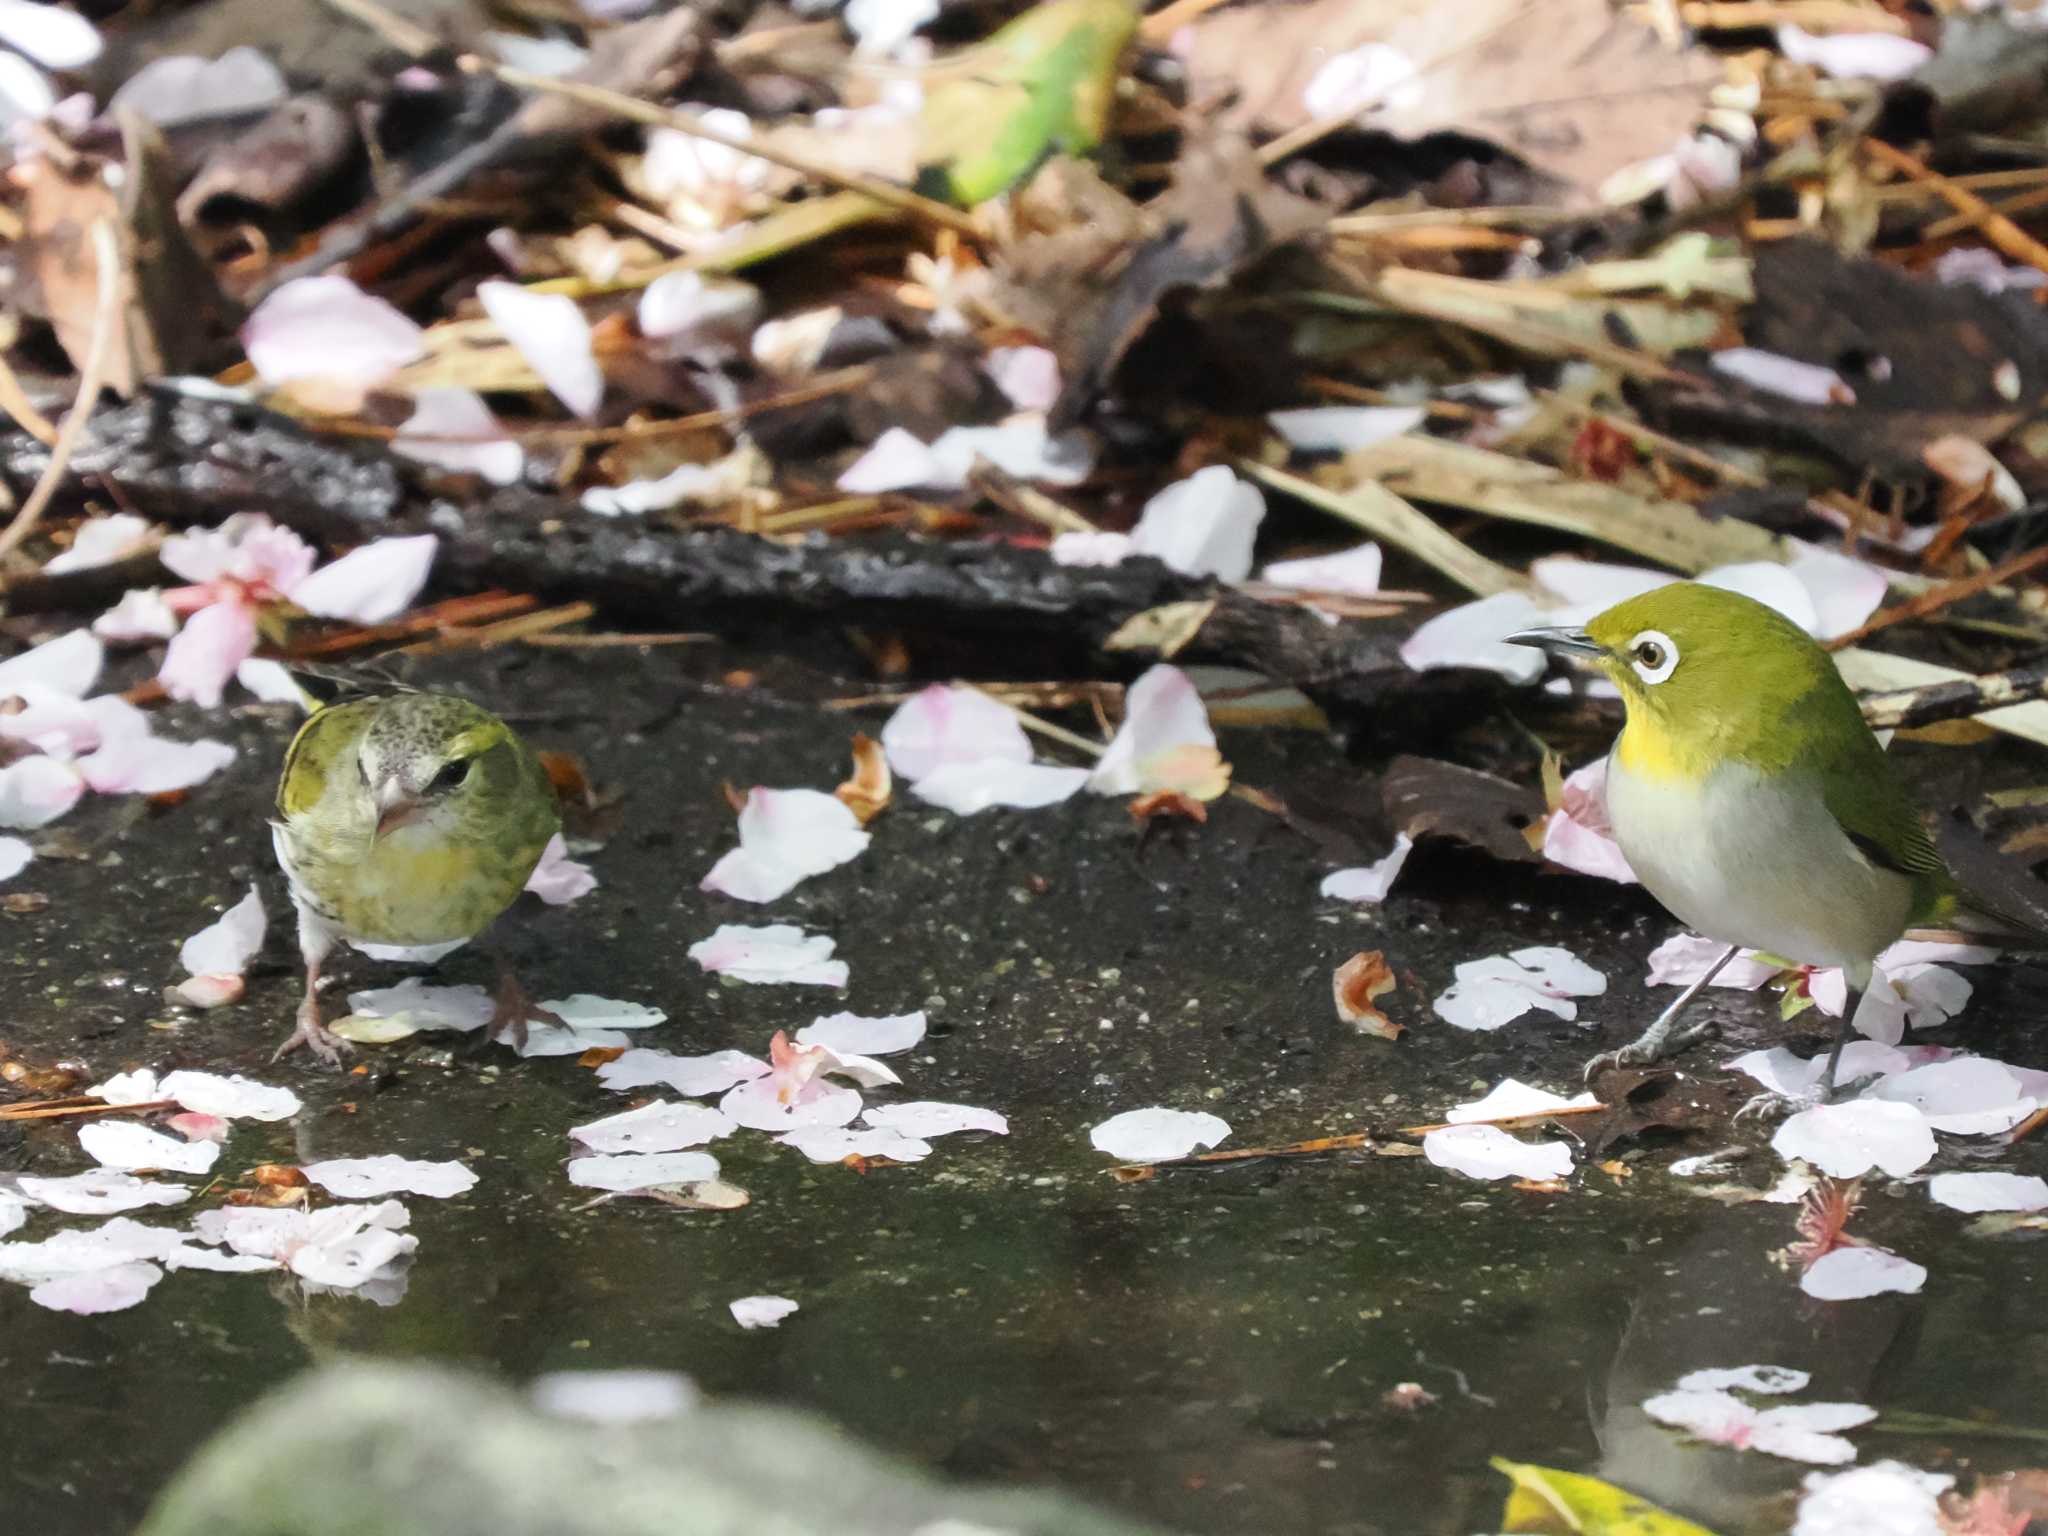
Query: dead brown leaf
[[1427, 798], [1571, 86], [1355, 983], [868, 791]]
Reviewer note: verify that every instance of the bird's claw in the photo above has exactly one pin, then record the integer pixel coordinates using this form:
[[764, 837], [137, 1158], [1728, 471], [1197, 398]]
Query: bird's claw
[[1653, 1046], [315, 1037], [1766, 1106], [514, 1011]]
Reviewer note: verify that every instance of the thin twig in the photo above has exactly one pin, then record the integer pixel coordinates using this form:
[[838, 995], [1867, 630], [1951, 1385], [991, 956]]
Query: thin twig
[[1998, 229], [1955, 698], [633, 109], [106, 316], [15, 402], [1935, 599]]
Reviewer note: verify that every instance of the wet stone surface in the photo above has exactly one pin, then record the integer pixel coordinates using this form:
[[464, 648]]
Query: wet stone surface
[[1208, 1349]]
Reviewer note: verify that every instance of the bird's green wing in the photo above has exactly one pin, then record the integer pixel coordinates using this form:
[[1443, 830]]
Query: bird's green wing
[[1862, 790], [329, 735]]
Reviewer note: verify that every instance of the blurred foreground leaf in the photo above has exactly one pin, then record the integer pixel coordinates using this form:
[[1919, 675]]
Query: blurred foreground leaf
[[1570, 1504], [1040, 86]]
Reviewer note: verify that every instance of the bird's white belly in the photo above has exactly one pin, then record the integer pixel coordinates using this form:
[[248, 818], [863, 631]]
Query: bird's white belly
[[1757, 863]]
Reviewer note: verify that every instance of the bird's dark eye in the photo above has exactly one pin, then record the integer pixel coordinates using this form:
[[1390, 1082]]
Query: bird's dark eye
[[1650, 654], [452, 773]]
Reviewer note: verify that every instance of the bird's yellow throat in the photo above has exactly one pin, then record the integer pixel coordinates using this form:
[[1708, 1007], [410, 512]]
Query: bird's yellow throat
[[1648, 749]]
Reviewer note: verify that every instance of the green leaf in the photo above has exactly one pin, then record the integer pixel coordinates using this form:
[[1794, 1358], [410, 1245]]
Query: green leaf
[[1571, 1504], [1040, 86]]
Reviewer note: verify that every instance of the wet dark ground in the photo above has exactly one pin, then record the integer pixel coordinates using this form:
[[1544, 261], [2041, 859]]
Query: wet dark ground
[[1208, 1349]]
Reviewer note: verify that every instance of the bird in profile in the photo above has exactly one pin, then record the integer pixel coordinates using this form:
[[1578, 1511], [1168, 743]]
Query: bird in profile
[[1751, 798], [406, 819]]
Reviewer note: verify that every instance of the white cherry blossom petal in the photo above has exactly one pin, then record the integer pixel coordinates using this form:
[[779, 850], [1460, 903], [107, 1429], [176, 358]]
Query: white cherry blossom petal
[[1964, 1096], [1352, 573], [36, 790], [1510, 1100], [226, 946], [551, 333], [558, 879], [925, 1118], [779, 953], [184, 88], [1854, 55], [1344, 428], [1787, 377], [1204, 525], [761, 1311], [1495, 990], [371, 584], [1369, 882], [967, 789], [759, 1106], [101, 1193], [1488, 1152], [834, 1144], [1989, 1191], [1887, 1498], [453, 429], [1851, 1274], [367, 1178], [102, 541], [844, 1033], [625, 1172], [942, 725], [1155, 1134], [1163, 711], [14, 857], [1473, 635], [786, 837], [657, 1127], [329, 329], [114, 1289], [1846, 1141], [691, 1076], [130, 1148], [69, 664]]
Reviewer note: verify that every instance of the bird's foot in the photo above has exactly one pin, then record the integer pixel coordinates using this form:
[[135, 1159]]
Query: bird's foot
[[1659, 1042], [315, 1037], [1767, 1106], [514, 1011]]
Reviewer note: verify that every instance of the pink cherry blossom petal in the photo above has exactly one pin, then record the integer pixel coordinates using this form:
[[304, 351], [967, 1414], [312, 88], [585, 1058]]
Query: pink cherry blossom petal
[[1162, 712], [453, 429], [1844, 591], [1684, 958], [367, 1178], [1798, 1432], [558, 879], [372, 584], [761, 1311], [1488, 1152], [1578, 835], [1204, 525], [1850, 1274], [1771, 1380], [551, 333], [1154, 1134], [1030, 376], [36, 790], [152, 765], [779, 953], [684, 308], [101, 541], [194, 1127], [656, 1127], [1370, 882], [625, 1172], [898, 460], [786, 837], [1846, 1141], [69, 664], [113, 1289], [943, 725], [202, 657], [327, 328]]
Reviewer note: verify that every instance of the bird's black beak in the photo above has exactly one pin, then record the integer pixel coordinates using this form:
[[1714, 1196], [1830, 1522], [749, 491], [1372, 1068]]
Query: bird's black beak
[[1559, 642]]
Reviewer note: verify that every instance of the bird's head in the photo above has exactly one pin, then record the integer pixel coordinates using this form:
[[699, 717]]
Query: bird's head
[[433, 758], [1694, 662]]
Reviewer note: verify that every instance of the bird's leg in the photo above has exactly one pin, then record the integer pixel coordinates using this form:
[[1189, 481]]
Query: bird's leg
[[315, 943], [1830, 1093], [1664, 1038], [515, 1010]]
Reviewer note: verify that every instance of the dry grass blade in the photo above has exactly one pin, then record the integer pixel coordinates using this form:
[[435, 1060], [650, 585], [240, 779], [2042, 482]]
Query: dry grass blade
[[46, 1109], [106, 318]]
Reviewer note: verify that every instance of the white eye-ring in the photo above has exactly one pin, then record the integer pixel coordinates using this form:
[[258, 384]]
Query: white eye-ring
[[1653, 655]]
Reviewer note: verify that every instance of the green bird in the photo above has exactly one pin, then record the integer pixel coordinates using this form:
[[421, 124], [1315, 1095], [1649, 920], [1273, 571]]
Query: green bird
[[1751, 798], [406, 819]]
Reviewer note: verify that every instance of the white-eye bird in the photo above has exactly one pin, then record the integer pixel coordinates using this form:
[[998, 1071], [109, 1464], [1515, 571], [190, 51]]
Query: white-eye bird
[[1749, 795], [408, 819]]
